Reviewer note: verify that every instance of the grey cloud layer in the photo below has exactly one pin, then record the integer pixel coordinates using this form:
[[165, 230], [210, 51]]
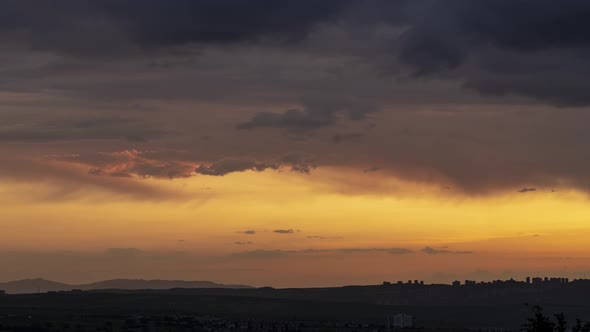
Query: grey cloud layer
[[432, 91], [86, 128], [315, 114]]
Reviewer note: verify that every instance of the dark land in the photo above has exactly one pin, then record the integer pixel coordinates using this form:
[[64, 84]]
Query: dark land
[[498, 306]]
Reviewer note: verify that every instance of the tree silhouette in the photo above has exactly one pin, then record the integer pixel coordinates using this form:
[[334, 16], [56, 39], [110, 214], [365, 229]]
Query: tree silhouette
[[538, 322], [579, 327], [561, 323]]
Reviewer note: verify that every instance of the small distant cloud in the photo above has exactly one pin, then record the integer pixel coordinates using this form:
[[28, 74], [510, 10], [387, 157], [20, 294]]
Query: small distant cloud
[[393, 251], [284, 231], [399, 251], [243, 243], [371, 169], [256, 254], [432, 251], [125, 252], [526, 190], [248, 232], [317, 237]]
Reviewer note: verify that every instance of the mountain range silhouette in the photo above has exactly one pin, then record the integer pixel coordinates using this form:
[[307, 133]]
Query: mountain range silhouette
[[42, 285]]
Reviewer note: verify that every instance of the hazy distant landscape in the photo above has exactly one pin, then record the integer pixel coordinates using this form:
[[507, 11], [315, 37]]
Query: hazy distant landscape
[[40, 285], [501, 304]]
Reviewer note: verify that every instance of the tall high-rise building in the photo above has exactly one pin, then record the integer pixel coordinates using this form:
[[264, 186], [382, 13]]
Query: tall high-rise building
[[403, 321]]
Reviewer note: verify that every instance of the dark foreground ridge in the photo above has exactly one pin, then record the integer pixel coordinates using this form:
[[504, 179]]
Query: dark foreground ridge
[[498, 305]]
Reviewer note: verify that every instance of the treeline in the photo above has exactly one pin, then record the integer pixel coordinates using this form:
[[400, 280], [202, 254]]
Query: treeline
[[539, 322]]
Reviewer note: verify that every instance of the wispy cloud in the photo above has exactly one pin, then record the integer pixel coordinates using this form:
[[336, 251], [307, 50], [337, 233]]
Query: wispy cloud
[[243, 243], [284, 231], [526, 190], [274, 253], [432, 251], [318, 237]]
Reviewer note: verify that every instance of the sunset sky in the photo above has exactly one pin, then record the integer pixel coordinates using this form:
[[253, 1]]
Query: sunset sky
[[294, 143]]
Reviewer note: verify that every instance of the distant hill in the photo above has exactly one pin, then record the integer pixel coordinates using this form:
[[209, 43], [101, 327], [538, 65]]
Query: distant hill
[[33, 286], [154, 284], [41, 285]]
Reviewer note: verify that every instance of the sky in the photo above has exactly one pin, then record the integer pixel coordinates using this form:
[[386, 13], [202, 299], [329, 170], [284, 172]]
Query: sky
[[294, 143]]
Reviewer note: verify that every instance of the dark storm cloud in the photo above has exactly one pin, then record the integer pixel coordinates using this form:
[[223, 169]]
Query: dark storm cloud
[[91, 28], [433, 251], [529, 25], [531, 48]]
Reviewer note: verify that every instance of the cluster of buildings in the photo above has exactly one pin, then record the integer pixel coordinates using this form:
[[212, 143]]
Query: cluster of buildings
[[528, 281], [415, 282], [540, 281], [537, 281]]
